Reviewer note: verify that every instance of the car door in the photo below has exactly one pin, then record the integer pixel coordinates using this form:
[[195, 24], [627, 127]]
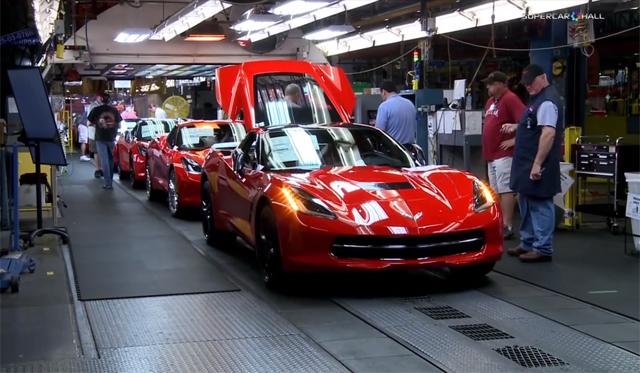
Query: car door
[[129, 137], [235, 191], [165, 158]]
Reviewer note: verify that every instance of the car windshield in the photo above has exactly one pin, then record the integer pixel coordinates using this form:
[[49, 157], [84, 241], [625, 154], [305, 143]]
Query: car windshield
[[291, 99], [306, 149], [150, 128], [202, 136], [127, 125]]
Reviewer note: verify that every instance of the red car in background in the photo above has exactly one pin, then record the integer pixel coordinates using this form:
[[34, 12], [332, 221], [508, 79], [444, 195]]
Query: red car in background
[[174, 162], [131, 148]]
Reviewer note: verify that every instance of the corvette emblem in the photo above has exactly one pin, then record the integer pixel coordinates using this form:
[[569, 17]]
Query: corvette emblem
[[414, 217]]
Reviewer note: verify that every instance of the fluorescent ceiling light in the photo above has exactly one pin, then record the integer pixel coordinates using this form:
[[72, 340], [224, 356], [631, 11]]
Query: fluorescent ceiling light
[[188, 17], [133, 35], [305, 19], [256, 22], [204, 38], [330, 32], [505, 10], [296, 7]]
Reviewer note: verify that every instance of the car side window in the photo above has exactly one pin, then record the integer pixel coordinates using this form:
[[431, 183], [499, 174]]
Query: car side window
[[179, 139], [171, 137], [133, 132]]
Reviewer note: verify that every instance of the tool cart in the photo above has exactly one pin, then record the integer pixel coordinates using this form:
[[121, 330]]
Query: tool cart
[[599, 157]]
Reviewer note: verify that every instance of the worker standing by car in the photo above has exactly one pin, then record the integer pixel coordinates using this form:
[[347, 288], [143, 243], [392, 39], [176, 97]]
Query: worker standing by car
[[91, 127], [158, 113], [535, 172], [503, 107], [107, 121], [397, 115]]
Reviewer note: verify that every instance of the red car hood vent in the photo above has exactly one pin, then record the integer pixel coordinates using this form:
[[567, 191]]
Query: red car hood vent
[[386, 186]]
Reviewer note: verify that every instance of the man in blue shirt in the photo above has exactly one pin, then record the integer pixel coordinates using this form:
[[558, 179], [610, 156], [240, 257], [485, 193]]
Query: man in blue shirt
[[396, 115]]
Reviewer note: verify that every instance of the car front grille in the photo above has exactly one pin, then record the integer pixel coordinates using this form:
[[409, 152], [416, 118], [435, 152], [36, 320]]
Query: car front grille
[[408, 247]]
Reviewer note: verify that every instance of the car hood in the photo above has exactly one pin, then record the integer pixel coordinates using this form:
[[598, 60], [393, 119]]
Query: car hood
[[383, 197], [196, 155]]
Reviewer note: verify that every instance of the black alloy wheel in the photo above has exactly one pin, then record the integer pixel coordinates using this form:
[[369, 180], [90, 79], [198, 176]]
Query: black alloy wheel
[[173, 197], [152, 194], [132, 173], [214, 237], [268, 249]]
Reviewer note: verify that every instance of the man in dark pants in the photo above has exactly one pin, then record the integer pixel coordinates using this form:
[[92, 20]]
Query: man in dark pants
[[107, 120], [535, 172]]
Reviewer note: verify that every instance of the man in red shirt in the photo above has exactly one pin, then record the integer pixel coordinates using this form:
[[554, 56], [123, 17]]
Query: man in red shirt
[[504, 107]]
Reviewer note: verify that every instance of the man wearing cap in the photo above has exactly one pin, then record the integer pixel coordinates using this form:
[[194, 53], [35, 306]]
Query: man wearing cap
[[503, 107], [535, 172]]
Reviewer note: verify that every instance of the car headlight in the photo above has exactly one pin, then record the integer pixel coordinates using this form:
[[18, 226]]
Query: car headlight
[[302, 201], [482, 196], [142, 150], [191, 166]]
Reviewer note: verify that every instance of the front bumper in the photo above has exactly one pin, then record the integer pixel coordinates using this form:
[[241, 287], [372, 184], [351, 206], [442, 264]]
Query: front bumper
[[310, 245]]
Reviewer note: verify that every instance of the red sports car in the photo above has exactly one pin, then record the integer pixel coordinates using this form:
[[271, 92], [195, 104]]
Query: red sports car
[[174, 161], [310, 192], [131, 148]]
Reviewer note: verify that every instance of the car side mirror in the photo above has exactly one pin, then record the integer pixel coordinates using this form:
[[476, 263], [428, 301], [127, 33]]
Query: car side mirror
[[238, 162]]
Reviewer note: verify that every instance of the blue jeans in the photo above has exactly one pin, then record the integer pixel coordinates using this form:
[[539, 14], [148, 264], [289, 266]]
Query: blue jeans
[[105, 150], [538, 224]]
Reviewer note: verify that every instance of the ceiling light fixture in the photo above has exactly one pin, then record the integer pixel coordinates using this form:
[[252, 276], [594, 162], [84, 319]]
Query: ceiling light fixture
[[481, 15], [312, 15], [206, 31], [330, 32], [133, 35], [188, 17], [254, 22], [296, 7]]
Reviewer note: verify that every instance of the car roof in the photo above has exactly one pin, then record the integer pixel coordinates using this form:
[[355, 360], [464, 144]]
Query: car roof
[[317, 126]]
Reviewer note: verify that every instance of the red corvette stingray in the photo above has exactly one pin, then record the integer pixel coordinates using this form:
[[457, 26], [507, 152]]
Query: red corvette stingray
[[131, 148], [174, 161], [323, 195]]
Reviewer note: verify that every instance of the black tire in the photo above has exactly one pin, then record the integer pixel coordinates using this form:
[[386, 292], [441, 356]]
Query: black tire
[[15, 283], [122, 174], [214, 237], [268, 249], [152, 194], [473, 271], [173, 196], [135, 184]]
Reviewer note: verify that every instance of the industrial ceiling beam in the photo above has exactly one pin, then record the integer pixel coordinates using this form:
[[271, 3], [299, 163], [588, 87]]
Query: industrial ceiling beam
[[381, 18]]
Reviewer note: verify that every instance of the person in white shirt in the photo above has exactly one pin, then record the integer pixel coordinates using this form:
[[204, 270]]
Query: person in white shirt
[[83, 137], [157, 112]]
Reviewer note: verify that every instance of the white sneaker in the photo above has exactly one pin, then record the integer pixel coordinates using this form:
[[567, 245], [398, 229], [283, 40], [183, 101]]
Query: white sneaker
[[84, 158]]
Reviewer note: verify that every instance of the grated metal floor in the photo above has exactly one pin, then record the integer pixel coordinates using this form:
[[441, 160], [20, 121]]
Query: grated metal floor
[[276, 354], [474, 332], [220, 332]]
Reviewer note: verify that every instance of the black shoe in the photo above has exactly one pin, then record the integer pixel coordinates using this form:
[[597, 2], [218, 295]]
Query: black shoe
[[97, 174]]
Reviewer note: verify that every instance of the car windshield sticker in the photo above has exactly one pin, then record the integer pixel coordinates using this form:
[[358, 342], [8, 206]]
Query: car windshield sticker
[[296, 146], [145, 131], [192, 135]]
